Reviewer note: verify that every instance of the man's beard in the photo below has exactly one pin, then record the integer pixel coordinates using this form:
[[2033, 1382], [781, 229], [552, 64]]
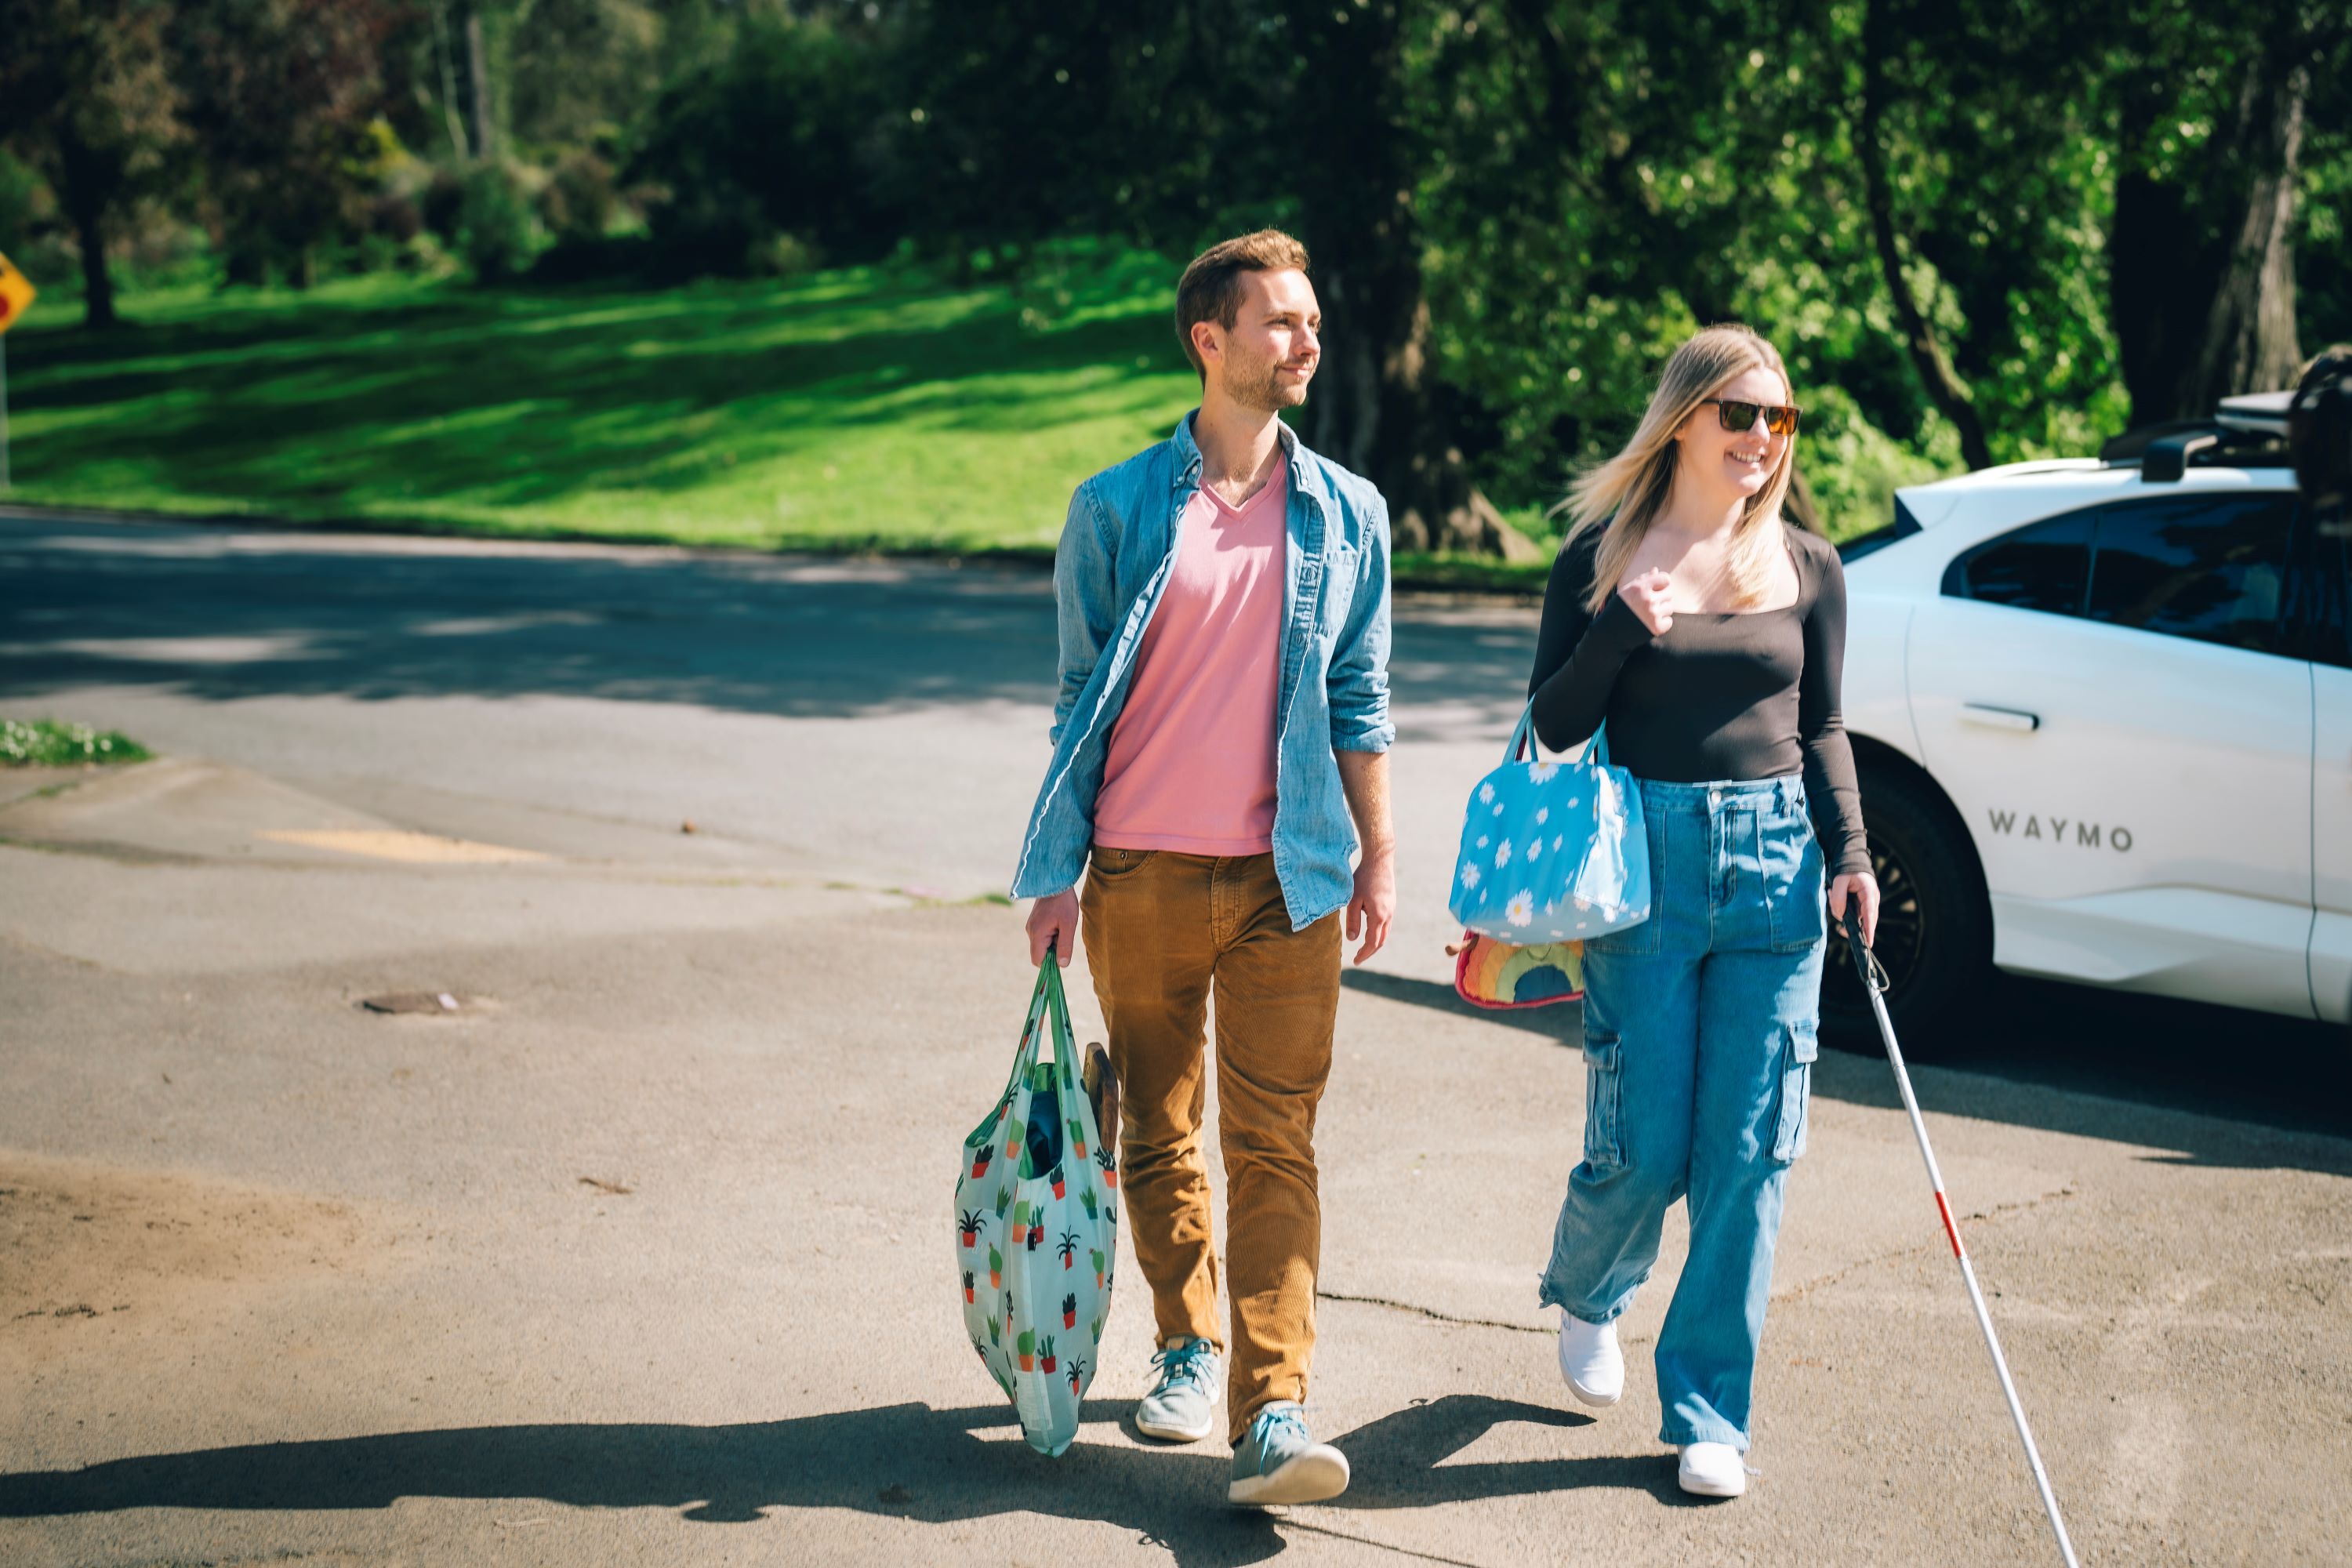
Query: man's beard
[[1264, 390]]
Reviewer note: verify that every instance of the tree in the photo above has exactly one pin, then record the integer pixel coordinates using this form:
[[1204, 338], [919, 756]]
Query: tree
[[87, 92], [281, 96], [2210, 125]]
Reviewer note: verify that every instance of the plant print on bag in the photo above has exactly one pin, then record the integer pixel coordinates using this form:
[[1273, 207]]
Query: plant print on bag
[[1078, 1138], [1087, 1201], [1057, 1179], [1068, 1247], [996, 1269], [1098, 1269], [1110, 1167], [1026, 1347], [967, 1223], [967, 1287], [1045, 1353], [1070, 1311], [980, 1158], [1077, 1376]]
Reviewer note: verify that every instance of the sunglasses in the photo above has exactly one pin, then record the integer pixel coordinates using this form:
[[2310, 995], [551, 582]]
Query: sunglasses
[[1780, 418]]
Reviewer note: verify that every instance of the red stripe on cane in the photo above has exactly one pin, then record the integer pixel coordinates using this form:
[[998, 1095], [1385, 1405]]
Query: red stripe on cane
[[1950, 1228]]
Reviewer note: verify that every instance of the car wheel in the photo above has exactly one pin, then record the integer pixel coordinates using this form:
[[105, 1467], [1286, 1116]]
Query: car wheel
[[1934, 930]]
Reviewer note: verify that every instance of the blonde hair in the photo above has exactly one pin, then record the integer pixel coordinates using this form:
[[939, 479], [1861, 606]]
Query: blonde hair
[[1624, 494]]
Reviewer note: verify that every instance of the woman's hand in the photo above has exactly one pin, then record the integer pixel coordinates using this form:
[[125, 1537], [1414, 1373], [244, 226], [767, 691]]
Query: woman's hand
[[1650, 595], [1863, 887]]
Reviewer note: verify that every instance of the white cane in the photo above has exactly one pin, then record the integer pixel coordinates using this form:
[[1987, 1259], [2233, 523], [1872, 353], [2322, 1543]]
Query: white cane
[[1873, 982]]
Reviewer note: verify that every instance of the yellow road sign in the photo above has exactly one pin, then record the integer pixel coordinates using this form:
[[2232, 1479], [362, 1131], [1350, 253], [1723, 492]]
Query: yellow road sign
[[16, 294]]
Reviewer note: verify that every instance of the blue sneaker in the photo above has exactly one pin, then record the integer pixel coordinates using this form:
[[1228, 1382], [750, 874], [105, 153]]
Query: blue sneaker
[[1181, 1405], [1278, 1461]]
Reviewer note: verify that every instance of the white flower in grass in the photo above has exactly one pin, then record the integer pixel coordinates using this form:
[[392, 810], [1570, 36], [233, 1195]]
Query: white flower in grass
[[1485, 793], [1521, 909], [1542, 771], [1502, 854], [1469, 876]]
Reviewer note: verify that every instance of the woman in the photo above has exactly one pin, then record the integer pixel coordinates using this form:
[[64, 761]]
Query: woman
[[1708, 635]]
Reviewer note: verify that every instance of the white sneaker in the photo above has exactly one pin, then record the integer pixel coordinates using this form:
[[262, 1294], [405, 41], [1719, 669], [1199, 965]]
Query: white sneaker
[[1713, 1469], [1590, 1360], [1181, 1405]]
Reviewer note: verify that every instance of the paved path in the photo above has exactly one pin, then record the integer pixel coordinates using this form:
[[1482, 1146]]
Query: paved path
[[288, 1281]]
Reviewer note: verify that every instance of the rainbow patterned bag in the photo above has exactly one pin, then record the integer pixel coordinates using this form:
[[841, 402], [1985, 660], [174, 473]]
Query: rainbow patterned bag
[[1496, 974], [1037, 1229]]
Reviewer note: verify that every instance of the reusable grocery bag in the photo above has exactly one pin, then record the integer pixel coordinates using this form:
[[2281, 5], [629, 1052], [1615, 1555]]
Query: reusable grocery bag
[[1037, 1229], [1552, 851]]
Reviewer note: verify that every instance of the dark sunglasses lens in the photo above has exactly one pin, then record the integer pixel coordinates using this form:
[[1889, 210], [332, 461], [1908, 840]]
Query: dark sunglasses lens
[[1736, 416], [1781, 421]]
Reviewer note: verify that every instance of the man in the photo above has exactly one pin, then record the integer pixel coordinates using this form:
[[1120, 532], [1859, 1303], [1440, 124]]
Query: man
[[1223, 713]]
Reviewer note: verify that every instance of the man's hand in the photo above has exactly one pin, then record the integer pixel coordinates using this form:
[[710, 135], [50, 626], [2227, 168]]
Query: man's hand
[[1864, 888], [1374, 904], [1054, 921]]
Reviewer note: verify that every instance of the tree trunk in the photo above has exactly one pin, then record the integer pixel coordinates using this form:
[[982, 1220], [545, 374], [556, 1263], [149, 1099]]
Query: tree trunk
[[2249, 342], [1945, 389], [96, 279], [480, 128], [1377, 406]]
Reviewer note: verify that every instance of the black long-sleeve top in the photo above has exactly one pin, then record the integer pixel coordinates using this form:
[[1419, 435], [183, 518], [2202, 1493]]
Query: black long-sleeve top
[[1746, 695]]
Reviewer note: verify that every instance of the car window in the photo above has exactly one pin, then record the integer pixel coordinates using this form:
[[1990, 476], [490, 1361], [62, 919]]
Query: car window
[[2209, 567], [2322, 587], [2044, 566]]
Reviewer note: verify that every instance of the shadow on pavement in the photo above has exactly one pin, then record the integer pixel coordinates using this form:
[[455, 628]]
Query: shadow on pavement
[[2213, 1085], [167, 608], [907, 1461], [1398, 1461]]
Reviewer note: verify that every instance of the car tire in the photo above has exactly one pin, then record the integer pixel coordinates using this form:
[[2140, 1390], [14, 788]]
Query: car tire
[[1934, 928]]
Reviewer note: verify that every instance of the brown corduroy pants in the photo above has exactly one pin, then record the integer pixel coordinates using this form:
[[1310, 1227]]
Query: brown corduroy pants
[[1162, 930]]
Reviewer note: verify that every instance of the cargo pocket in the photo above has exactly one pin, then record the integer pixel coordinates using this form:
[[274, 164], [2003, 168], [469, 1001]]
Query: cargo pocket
[[1801, 1044], [1604, 1135]]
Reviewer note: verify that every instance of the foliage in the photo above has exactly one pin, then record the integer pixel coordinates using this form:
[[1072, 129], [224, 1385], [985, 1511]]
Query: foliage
[[282, 97], [777, 137], [496, 229], [48, 744]]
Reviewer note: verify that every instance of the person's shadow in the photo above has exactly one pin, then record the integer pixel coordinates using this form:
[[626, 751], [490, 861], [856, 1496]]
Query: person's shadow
[[905, 1460]]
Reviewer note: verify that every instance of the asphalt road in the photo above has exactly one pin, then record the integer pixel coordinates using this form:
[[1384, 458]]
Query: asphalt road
[[640, 1255]]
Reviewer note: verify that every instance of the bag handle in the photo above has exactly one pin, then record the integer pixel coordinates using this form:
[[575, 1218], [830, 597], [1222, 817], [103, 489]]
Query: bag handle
[[1048, 1007], [1524, 745]]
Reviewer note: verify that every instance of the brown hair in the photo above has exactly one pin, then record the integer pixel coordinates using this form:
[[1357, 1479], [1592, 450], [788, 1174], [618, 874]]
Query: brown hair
[[1211, 289]]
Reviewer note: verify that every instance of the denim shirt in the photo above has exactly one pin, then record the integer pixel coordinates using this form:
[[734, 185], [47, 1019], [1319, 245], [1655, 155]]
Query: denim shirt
[[1332, 694]]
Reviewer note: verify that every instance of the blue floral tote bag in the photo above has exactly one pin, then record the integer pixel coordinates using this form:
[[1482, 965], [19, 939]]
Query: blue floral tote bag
[[1552, 851], [1037, 1229]]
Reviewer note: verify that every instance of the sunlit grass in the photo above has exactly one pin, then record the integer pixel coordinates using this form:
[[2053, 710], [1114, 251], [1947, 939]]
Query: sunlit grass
[[866, 409]]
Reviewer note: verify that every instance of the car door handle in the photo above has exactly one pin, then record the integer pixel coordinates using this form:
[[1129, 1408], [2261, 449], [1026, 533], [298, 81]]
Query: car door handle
[[1994, 718]]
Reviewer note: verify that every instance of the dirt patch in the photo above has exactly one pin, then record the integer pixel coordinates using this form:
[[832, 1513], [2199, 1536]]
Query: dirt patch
[[88, 1242]]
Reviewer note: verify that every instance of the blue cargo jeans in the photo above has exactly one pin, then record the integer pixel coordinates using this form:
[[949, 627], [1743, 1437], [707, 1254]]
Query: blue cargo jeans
[[1699, 1038]]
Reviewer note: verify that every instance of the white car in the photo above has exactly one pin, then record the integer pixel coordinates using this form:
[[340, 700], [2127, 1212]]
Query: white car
[[2102, 711]]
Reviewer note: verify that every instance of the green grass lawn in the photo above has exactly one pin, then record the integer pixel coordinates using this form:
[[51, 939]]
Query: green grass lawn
[[845, 410]]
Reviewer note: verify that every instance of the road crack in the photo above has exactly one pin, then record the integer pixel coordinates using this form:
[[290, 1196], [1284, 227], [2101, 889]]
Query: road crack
[[1998, 1212], [1429, 1313]]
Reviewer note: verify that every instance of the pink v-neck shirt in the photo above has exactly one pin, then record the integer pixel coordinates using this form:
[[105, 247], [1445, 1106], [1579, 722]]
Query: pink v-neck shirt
[[1190, 766]]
